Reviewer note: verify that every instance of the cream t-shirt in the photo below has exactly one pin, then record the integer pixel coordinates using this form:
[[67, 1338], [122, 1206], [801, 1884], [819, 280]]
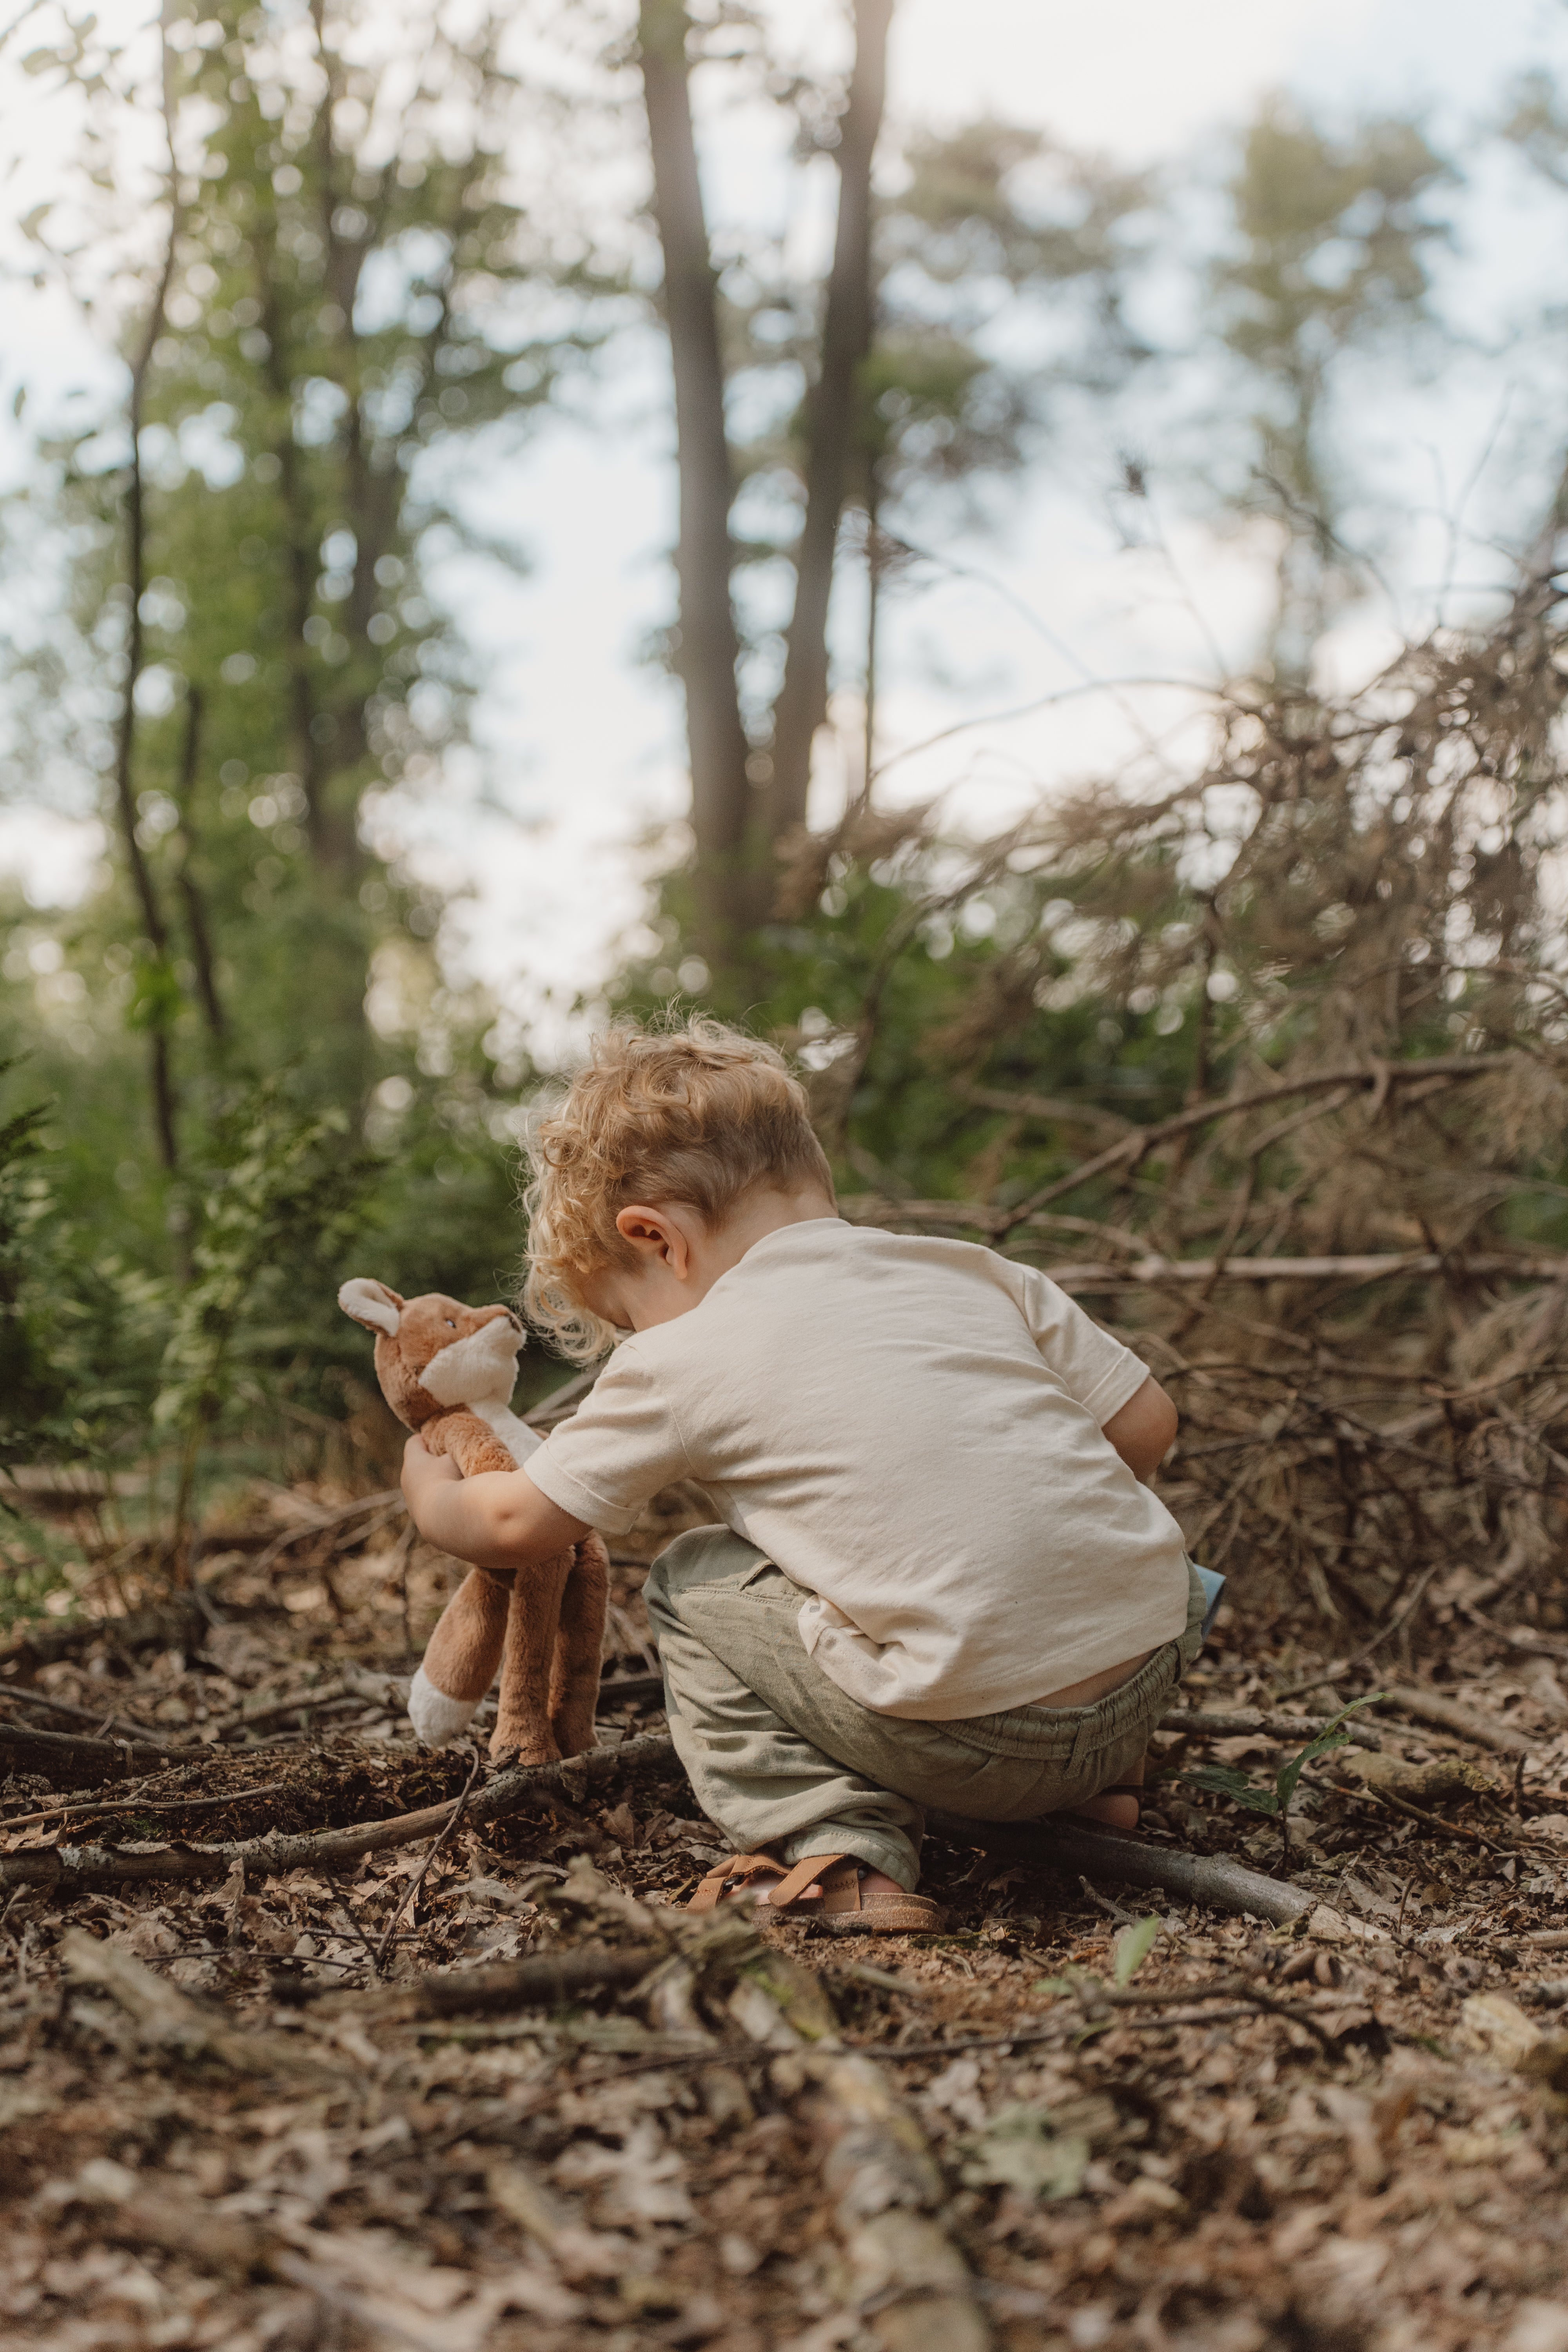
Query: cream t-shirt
[[911, 1430]]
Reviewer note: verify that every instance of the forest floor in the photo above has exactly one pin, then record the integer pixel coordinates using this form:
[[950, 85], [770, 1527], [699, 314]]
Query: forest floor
[[239, 2119]]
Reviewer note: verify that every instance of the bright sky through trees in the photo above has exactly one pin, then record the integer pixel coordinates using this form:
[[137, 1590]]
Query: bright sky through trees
[[580, 738]]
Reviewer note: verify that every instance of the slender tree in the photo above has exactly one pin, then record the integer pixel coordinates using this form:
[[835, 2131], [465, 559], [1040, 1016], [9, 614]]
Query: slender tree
[[708, 649], [157, 994], [898, 397], [833, 425]]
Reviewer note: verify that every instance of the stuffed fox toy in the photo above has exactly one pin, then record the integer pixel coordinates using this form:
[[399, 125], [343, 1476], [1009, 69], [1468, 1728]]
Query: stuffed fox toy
[[448, 1371]]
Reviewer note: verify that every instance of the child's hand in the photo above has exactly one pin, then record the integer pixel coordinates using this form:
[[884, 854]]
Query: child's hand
[[424, 1474]]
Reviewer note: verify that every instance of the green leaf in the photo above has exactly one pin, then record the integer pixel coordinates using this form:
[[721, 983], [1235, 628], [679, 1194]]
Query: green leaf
[[1225, 1781], [1133, 1946], [1333, 1735]]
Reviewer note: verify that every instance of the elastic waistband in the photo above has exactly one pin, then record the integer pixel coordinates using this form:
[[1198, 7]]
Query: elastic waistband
[[1049, 1732]]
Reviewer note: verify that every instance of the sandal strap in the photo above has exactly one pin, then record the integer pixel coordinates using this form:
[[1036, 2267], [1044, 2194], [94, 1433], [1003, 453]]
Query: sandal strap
[[735, 1869], [843, 1894]]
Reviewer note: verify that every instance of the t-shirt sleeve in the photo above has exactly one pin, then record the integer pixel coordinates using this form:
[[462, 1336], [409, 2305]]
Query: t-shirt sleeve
[[619, 1448], [1097, 1370]]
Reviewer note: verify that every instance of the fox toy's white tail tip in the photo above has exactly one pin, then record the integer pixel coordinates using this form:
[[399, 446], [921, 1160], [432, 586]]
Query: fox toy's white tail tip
[[436, 1717]]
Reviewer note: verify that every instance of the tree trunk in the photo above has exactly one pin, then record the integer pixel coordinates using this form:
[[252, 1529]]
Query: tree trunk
[[833, 421], [196, 912], [709, 646], [160, 979]]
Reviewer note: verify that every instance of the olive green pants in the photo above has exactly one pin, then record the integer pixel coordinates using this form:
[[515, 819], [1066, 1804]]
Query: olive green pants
[[781, 1758]]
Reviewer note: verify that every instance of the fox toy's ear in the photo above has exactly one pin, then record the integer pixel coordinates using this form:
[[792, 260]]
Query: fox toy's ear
[[371, 1304]]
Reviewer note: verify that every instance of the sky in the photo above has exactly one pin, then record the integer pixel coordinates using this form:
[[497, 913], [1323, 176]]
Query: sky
[[580, 741]]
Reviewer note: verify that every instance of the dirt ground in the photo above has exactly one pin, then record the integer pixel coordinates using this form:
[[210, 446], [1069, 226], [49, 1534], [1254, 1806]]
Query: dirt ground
[[239, 2121]]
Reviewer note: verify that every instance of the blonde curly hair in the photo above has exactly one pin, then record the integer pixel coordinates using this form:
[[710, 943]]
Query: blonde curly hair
[[698, 1113]]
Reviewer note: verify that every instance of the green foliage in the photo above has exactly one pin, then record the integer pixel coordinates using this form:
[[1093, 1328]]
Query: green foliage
[[32, 1388], [278, 1214], [35, 1560], [341, 313], [71, 1382], [913, 981], [1225, 1781], [102, 1363]]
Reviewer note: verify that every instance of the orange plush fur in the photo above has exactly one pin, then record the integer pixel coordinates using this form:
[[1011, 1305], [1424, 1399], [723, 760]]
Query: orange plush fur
[[448, 1370]]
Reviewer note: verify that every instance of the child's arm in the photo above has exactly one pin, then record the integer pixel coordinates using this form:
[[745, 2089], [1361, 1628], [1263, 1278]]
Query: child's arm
[[1143, 1429], [499, 1519]]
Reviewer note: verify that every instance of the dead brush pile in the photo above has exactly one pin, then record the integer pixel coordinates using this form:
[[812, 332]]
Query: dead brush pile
[[1342, 1251]]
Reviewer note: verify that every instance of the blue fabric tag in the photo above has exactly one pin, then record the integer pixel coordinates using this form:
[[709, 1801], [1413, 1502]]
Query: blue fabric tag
[[1214, 1585]]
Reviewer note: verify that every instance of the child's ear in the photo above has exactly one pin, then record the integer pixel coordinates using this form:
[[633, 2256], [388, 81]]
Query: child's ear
[[655, 1230], [371, 1304]]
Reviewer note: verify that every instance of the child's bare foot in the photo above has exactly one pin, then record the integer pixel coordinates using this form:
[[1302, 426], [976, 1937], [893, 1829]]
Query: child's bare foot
[[1117, 1812], [1117, 1807]]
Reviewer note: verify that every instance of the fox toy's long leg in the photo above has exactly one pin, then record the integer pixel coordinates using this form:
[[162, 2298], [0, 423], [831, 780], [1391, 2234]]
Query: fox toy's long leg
[[579, 1644], [523, 1720], [460, 1659]]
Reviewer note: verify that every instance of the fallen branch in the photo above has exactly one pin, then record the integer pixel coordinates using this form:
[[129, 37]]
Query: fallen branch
[[508, 1793], [631, 1690], [1385, 1633], [1237, 1723], [387, 1502], [1211, 1880], [100, 1727], [1244, 2004], [55, 1754], [1131, 1150], [1434, 1823], [1430, 1706], [1187, 1877], [356, 1683], [1098, 1274], [1248, 2006]]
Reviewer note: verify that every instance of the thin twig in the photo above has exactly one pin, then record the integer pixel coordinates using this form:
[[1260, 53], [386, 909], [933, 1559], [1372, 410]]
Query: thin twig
[[1383, 1633], [412, 1896], [1435, 1821], [730, 2053], [343, 1906]]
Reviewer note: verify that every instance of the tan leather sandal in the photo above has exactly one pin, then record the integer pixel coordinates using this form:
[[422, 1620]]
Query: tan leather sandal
[[843, 1908]]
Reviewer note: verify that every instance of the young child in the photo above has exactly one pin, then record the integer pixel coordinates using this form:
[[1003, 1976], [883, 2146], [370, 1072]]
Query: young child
[[939, 1579]]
